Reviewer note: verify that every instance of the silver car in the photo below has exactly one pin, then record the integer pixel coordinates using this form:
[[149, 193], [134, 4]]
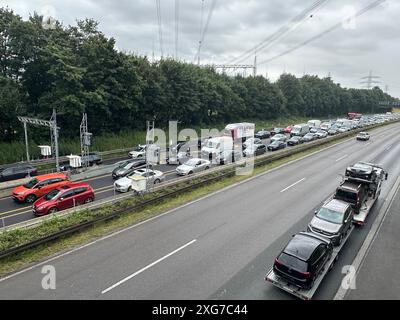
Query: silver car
[[192, 166], [153, 177], [333, 220], [279, 137]]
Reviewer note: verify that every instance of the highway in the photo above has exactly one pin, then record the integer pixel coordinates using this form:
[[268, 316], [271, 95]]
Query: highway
[[219, 247], [12, 212]]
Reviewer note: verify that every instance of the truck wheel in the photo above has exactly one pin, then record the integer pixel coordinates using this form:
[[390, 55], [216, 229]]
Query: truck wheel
[[30, 198]]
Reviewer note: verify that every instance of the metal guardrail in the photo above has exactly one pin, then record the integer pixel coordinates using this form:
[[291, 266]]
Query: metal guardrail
[[224, 171]]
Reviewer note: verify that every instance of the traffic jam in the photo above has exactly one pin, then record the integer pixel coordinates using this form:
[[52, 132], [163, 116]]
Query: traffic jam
[[50, 193]]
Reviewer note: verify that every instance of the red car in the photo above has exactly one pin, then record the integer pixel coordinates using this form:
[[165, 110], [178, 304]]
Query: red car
[[288, 129], [64, 197]]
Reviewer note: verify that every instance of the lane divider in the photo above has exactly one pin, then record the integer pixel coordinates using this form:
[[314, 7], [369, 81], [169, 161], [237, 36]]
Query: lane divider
[[293, 184], [148, 266]]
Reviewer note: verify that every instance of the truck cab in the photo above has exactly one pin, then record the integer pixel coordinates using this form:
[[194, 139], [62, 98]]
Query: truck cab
[[216, 146]]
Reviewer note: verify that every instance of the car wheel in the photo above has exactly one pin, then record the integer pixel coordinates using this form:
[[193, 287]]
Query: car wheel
[[157, 181], [207, 168], [53, 210], [190, 172], [340, 239], [30, 198], [88, 200]]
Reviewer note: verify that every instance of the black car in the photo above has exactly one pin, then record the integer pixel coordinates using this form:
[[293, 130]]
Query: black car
[[255, 150], [92, 159], [17, 172], [276, 145], [127, 167], [262, 134], [295, 140], [303, 259], [277, 131]]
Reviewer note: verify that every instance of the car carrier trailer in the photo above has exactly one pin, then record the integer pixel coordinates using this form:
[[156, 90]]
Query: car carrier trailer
[[307, 294], [372, 180]]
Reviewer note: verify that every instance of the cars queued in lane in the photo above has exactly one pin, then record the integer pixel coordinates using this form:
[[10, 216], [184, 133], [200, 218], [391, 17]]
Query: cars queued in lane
[[192, 166], [43, 185], [38, 187], [18, 171], [64, 197]]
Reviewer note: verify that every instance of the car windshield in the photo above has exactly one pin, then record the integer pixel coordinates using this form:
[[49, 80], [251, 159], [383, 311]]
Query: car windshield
[[293, 262], [123, 164], [139, 149], [295, 138], [52, 195], [31, 184], [330, 215], [346, 196], [191, 162]]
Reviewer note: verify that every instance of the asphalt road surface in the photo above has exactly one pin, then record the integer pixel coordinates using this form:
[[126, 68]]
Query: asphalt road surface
[[378, 277], [219, 247]]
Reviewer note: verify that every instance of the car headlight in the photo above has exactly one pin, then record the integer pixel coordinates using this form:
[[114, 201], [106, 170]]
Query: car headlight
[[40, 208]]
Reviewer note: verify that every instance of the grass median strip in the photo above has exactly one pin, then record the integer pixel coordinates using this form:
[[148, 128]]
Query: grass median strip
[[18, 237]]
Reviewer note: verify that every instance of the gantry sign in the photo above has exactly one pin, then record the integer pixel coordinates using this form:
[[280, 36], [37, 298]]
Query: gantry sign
[[52, 124]]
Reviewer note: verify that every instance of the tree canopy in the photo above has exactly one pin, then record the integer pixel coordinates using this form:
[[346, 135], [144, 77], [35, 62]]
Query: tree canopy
[[77, 69]]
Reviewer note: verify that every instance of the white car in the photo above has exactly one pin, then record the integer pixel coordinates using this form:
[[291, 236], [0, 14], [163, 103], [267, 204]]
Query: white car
[[279, 137], [321, 133], [251, 141], [192, 166], [138, 152], [125, 184]]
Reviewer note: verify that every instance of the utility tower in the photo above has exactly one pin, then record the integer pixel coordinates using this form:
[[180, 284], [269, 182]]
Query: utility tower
[[52, 124], [149, 141], [370, 80], [86, 140], [235, 67]]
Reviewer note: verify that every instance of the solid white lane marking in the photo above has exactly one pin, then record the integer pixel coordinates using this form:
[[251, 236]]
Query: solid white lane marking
[[341, 158], [147, 267], [293, 184]]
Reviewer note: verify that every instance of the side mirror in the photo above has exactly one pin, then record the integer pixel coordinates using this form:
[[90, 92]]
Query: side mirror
[[61, 199], [386, 176], [316, 211]]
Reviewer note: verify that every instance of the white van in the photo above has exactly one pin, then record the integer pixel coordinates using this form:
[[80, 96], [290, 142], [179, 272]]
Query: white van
[[215, 146], [314, 123], [300, 130]]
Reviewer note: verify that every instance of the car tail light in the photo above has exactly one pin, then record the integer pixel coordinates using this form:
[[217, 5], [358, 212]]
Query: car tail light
[[277, 262], [306, 274]]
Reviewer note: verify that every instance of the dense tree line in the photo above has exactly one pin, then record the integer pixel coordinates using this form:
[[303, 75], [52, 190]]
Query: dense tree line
[[77, 69]]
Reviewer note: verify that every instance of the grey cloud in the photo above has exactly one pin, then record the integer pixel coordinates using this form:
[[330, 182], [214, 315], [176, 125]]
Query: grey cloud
[[238, 25]]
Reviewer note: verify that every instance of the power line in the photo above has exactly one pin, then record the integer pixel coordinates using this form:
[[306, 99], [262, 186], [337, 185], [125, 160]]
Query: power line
[[160, 38], [290, 26], [210, 12], [320, 35], [369, 80], [176, 27]]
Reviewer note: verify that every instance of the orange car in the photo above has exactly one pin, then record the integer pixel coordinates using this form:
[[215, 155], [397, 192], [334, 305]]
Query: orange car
[[39, 186]]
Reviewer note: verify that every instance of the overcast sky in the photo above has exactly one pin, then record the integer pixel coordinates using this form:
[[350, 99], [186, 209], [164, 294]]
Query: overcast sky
[[349, 52]]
